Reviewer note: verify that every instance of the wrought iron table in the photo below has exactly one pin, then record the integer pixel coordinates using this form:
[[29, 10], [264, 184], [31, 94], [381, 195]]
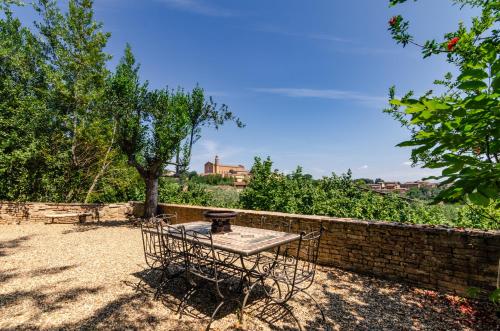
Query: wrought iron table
[[283, 263], [242, 240], [252, 251]]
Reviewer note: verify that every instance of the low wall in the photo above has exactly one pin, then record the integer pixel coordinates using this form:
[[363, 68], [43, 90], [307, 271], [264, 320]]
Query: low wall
[[445, 259], [18, 212]]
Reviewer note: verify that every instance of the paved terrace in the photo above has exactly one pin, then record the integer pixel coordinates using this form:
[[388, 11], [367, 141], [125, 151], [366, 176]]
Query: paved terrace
[[92, 276]]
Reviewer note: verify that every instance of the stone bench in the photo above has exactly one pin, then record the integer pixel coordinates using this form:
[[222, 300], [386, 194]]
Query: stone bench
[[82, 217]]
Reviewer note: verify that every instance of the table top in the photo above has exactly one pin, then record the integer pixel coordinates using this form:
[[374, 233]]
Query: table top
[[243, 240]]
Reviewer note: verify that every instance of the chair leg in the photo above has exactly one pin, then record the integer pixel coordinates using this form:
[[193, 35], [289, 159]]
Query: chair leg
[[285, 307], [245, 299], [215, 313], [185, 298], [316, 303], [161, 283]]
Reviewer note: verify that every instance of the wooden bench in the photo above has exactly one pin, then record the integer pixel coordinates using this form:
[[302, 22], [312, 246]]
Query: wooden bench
[[82, 217]]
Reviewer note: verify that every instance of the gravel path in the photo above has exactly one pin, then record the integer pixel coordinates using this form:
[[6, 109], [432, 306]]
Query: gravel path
[[92, 277]]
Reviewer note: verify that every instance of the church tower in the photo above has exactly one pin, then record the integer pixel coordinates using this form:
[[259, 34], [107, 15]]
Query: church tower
[[216, 164]]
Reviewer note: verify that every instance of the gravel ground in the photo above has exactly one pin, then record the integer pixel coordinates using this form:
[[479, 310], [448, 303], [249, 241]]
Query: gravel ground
[[92, 277]]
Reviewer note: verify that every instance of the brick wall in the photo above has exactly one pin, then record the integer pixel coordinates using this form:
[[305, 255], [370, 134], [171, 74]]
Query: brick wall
[[15, 212], [438, 258]]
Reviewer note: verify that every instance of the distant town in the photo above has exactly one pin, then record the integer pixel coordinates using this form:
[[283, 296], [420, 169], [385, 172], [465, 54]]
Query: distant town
[[401, 188], [240, 175]]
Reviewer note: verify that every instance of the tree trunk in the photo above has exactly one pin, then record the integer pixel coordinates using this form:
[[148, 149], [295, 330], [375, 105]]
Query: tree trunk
[[104, 166], [151, 203]]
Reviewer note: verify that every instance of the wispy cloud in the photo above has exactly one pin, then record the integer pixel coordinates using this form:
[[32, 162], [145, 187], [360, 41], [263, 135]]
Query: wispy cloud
[[314, 36], [407, 163], [365, 166], [339, 44], [324, 94], [199, 7]]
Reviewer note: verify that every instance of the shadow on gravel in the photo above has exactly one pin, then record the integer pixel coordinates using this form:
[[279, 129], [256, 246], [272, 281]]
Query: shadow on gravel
[[202, 303], [368, 303], [7, 245], [84, 227]]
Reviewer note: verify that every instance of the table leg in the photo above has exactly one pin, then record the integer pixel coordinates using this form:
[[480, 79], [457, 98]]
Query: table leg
[[247, 290]]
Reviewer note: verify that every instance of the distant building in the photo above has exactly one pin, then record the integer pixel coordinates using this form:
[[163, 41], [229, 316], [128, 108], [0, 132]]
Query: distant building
[[418, 184], [396, 187], [238, 172], [391, 185]]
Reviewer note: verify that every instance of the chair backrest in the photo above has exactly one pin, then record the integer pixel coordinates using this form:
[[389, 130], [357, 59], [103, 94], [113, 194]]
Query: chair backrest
[[307, 257], [151, 243], [200, 254], [296, 270], [172, 242]]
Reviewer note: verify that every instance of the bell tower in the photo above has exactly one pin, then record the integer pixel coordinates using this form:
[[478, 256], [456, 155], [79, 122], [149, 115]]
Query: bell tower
[[216, 164]]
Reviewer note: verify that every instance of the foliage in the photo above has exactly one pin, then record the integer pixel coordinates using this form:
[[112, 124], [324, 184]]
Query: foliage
[[74, 44], [56, 142], [28, 159], [423, 193], [227, 197], [194, 193], [214, 179], [157, 128], [170, 191], [69, 130], [340, 196], [458, 131], [365, 180]]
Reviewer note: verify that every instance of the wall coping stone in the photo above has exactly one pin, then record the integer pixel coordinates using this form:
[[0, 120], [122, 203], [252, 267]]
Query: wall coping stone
[[376, 223]]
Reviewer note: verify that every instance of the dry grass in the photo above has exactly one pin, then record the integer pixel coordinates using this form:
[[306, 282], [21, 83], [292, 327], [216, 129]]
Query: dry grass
[[84, 277]]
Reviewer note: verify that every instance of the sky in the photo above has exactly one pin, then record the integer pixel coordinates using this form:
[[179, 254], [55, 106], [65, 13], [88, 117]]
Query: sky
[[309, 78]]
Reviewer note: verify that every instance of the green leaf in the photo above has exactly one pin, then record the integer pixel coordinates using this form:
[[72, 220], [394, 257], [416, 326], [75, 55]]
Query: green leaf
[[409, 143], [472, 85], [489, 190], [434, 104], [472, 74], [453, 168], [496, 84], [478, 199]]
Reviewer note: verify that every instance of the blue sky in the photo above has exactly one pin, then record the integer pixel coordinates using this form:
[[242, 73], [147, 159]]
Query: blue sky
[[309, 78]]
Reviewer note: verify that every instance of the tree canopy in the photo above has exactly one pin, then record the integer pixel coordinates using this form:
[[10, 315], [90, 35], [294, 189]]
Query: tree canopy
[[157, 128], [458, 130]]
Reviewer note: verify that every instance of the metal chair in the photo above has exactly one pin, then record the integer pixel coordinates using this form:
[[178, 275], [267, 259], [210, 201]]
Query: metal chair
[[173, 253], [207, 265], [294, 272], [151, 243]]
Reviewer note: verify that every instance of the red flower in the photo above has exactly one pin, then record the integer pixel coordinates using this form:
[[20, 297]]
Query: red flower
[[452, 43], [393, 20]]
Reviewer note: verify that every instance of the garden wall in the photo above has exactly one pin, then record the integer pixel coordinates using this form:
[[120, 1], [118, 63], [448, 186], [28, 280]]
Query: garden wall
[[438, 258], [18, 212]]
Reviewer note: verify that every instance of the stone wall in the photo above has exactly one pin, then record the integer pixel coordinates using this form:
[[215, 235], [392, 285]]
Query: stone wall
[[17, 212], [445, 259]]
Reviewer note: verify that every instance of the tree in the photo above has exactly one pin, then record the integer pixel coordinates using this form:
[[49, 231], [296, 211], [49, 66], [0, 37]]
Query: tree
[[366, 180], [201, 113], [341, 196], [157, 128], [28, 138], [74, 47], [458, 130]]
